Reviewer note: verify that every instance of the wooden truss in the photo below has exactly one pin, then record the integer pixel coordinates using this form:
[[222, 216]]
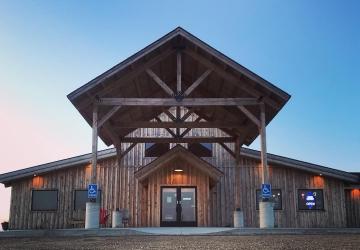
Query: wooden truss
[[178, 98]]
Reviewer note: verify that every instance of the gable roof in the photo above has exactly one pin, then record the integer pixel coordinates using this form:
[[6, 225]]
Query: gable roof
[[274, 160], [128, 79], [176, 153], [179, 31]]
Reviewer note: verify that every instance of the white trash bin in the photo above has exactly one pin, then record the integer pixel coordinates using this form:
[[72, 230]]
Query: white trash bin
[[238, 218], [116, 219]]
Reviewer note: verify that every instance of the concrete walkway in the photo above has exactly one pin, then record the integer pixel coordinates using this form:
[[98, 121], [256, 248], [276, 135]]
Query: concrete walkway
[[221, 231], [183, 230]]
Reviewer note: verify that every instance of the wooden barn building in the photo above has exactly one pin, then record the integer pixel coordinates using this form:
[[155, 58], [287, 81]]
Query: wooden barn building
[[178, 113]]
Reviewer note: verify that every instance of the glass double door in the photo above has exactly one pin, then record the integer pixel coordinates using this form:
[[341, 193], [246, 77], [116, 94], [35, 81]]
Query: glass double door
[[178, 207]]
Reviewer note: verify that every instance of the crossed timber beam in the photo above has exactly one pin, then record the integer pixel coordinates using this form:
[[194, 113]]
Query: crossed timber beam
[[178, 103], [163, 124], [177, 140]]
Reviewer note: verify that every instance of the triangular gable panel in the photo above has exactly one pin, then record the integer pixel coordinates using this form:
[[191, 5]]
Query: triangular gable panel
[[176, 154]]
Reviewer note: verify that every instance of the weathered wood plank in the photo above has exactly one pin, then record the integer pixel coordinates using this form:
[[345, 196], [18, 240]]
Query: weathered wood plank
[[173, 102], [178, 71], [163, 124], [240, 181], [162, 84], [107, 116], [196, 139], [192, 87]]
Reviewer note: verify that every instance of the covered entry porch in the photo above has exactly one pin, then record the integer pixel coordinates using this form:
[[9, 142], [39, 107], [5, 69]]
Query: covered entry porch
[[181, 72]]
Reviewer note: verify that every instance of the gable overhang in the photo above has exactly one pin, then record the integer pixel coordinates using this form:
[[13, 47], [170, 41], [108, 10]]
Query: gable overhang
[[175, 155], [129, 79]]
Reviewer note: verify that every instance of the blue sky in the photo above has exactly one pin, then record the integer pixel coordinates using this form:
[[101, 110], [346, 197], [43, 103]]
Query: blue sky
[[311, 49]]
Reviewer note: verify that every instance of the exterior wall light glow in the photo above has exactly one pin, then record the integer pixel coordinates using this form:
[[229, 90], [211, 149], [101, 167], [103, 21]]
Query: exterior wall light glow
[[178, 170]]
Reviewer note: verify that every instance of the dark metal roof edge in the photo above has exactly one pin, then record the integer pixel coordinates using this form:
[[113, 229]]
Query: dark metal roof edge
[[56, 165], [302, 165]]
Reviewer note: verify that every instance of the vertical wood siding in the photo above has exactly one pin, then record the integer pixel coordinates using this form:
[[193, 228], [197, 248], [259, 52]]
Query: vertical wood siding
[[167, 177], [352, 198], [237, 188]]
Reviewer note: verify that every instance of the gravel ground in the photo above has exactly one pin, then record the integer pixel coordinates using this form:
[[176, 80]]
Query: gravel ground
[[318, 242]]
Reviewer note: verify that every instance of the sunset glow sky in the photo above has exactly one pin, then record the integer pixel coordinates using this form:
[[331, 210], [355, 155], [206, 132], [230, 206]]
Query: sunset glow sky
[[310, 49]]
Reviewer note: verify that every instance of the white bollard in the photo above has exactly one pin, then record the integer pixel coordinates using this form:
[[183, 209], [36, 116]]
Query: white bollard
[[116, 219], [238, 219], [92, 215], [266, 212]]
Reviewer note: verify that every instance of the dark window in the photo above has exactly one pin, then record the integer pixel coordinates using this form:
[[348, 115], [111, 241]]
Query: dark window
[[44, 200], [276, 198], [156, 149], [81, 197], [201, 149], [310, 199]]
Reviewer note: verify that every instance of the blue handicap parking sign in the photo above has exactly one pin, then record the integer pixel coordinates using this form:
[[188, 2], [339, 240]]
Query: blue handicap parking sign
[[265, 190], [92, 191]]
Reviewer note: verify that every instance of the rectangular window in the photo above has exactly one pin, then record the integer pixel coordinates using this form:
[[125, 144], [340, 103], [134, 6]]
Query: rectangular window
[[276, 198], [310, 199], [44, 200], [81, 197]]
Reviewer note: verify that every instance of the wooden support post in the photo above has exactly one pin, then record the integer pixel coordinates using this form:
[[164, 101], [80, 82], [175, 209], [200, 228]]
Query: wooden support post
[[119, 183], [266, 206], [178, 73], [178, 117], [265, 170], [237, 151], [94, 144], [237, 173]]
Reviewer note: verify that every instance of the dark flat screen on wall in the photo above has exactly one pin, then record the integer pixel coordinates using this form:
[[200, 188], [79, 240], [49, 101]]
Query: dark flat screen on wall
[[310, 199]]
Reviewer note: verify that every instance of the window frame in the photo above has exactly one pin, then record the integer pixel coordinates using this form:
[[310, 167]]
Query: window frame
[[98, 200], [310, 189], [42, 190], [272, 190]]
